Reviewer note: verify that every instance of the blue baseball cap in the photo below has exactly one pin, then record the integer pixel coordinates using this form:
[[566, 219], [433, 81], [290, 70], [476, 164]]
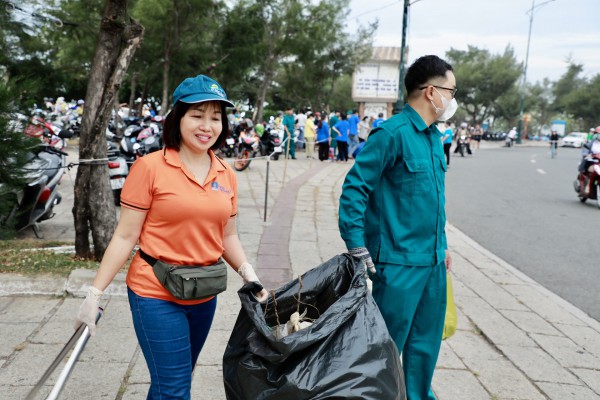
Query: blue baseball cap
[[199, 89]]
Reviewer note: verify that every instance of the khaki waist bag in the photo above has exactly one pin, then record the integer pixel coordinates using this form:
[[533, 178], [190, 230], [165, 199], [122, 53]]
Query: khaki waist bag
[[186, 282]]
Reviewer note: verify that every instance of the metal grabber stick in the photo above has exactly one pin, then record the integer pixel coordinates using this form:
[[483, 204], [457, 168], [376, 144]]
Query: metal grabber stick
[[77, 342]]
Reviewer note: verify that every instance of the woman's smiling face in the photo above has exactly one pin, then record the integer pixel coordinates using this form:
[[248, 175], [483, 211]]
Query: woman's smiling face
[[201, 126]]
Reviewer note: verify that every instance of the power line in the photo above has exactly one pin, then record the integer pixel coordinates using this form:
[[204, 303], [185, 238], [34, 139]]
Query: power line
[[376, 9]]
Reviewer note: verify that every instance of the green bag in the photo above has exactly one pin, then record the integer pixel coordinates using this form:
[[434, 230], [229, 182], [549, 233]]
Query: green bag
[[189, 282]]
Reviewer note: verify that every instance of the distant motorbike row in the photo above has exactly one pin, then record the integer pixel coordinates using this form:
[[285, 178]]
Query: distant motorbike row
[[126, 141]]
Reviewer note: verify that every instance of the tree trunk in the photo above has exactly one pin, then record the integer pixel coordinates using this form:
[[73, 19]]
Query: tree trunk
[[94, 210], [262, 91], [134, 81], [171, 40], [164, 105]]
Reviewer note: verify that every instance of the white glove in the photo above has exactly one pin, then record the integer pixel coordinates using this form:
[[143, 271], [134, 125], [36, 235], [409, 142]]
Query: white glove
[[248, 275], [88, 311], [362, 254]]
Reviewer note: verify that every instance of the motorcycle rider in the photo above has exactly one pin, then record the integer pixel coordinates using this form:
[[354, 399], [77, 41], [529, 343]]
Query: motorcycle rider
[[590, 151], [512, 135], [554, 137]]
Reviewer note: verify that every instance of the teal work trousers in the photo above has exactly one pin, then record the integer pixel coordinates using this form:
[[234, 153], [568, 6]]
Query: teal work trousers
[[412, 301], [291, 152]]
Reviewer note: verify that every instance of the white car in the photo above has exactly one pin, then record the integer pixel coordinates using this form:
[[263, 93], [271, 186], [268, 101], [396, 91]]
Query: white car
[[574, 139]]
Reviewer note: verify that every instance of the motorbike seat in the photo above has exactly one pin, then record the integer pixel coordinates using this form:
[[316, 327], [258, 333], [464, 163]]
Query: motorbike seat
[[53, 164]]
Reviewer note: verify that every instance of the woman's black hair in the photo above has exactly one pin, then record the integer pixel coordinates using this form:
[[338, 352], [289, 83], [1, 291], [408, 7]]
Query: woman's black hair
[[172, 135]]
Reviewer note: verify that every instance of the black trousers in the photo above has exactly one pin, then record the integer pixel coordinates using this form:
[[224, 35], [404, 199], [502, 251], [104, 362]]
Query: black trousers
[[324, 151], [447, 152], [342, 151]]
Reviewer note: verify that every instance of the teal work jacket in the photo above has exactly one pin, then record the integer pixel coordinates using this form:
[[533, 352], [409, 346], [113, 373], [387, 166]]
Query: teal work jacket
[[393, 197]]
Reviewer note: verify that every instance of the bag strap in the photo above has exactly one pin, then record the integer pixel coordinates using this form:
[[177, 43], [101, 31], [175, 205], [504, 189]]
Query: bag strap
[[149, 259]]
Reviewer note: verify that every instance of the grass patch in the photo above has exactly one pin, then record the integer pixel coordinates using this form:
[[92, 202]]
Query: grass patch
[[16, 256]]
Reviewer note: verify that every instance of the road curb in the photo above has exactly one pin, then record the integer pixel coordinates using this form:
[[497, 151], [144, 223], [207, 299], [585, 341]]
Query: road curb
[[594, 324], [76, 285]]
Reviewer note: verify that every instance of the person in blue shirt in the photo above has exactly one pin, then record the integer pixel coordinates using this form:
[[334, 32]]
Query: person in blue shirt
[[447, 140], [342, 128], [353, 121], [392, 208], [378, 121], [322, 137]]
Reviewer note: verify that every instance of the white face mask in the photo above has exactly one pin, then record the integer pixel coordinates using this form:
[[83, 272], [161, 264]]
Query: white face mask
[[447, 110]]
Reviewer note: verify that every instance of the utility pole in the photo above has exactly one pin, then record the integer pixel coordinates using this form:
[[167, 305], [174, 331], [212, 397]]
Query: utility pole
[[530, 12], [400, 102]]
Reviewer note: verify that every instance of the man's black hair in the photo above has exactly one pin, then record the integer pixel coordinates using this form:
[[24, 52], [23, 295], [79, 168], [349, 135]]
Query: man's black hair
[[424, 69]]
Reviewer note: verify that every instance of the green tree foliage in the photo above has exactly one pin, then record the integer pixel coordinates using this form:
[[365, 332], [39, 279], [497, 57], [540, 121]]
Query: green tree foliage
[[71, 43], [179, 41], [14, 146], [568, 82], [486, 82], [323, 56], [240, 50], [577, 98], [23, 54]]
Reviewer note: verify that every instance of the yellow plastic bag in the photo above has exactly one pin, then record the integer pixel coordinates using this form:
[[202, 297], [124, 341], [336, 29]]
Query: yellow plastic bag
[[451, 320]]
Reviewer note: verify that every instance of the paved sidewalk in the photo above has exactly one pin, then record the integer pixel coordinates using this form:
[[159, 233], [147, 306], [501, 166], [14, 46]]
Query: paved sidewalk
[[515, 339]]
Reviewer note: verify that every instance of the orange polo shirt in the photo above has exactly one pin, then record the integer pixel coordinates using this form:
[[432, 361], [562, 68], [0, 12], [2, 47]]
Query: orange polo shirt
[[186, 218]]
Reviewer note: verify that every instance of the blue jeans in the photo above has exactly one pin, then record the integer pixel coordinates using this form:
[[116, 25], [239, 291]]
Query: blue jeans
[[171, 337]]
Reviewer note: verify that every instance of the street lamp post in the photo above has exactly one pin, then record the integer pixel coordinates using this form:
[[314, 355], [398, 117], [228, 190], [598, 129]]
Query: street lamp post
[[520, 126], [400, 102]]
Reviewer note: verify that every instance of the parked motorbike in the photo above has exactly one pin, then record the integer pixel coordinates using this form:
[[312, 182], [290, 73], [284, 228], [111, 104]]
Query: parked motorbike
[[35, 202], [229, 149], [582, 183], [270, 141], [247, 148], [49, 133], [118, 169]]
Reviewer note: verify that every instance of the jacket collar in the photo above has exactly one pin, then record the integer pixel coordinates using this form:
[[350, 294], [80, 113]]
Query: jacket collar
[[418, 122]]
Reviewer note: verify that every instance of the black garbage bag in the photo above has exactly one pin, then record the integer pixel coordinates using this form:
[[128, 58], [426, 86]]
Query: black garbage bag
[[346, 353]]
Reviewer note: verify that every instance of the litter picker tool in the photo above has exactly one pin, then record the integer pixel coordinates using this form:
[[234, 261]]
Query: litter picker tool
[[77, 342]]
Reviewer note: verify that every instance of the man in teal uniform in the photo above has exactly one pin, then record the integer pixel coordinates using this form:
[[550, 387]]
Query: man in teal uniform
[[392, 209], [288, 126]]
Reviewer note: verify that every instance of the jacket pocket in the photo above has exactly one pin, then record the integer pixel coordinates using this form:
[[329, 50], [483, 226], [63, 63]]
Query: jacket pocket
[[443, 164], [417, 180]]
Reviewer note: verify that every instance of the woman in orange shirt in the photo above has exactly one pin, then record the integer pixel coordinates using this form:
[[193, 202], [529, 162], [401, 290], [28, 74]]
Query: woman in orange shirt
[[180, 203]]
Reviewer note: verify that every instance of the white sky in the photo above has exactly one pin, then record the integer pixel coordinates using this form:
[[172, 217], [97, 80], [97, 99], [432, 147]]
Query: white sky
[[561, 29]]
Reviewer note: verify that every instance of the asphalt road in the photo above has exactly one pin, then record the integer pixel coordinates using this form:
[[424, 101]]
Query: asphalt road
[[520, 204]]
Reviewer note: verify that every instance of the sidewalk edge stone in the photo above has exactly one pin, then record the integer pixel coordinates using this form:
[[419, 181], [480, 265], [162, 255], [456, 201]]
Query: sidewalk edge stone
[[594, 324]]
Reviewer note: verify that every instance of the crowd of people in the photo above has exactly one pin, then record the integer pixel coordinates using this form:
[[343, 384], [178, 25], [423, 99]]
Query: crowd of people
[[337, 136]]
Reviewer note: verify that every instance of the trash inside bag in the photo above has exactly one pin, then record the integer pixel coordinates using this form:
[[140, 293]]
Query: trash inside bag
[[343, 351]]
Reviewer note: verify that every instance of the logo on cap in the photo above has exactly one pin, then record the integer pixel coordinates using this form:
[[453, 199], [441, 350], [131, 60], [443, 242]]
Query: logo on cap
[[215, 88]]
